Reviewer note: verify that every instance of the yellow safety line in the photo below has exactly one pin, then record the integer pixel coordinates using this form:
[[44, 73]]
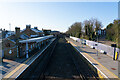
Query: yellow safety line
[[72, 43], [101, 65], [96, 61], [12, 72], [21, 65], [100, 75]]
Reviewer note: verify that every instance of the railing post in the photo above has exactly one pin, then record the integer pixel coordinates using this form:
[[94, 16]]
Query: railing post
[[31, 47], [39, 45], [36, 45], [17, 52], [27, 50], [45, 42]]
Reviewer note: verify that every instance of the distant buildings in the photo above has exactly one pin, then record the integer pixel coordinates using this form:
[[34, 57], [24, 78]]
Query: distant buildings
[[32, 32], [9, 33], [10, 42], [101, 32], [46, 31], [55, 33], [5, 33], [49, 32], [11, 48]]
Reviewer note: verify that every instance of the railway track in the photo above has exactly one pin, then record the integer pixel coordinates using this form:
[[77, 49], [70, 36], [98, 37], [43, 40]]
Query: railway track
[[82, 67], [59, 61]]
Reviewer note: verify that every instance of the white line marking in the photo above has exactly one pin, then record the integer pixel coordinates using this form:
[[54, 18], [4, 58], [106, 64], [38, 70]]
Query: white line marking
[[35, 58], [91, 63]]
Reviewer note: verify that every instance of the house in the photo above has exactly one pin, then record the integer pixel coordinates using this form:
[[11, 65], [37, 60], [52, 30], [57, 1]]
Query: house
[[55, 33], [101, 32], [9, 48], [9, 33], [46, 31], [32, 32], [10, 45], [5, 33]]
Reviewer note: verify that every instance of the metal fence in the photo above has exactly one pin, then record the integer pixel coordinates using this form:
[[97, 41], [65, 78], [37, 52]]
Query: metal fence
[[101, 47]]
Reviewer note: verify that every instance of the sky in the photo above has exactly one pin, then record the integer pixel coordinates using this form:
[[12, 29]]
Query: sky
[[55, 15]]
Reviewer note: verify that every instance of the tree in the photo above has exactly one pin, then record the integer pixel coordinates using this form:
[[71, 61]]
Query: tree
[[110, 32], [75, 29], [90, 26], [113, 32], [98, 25]]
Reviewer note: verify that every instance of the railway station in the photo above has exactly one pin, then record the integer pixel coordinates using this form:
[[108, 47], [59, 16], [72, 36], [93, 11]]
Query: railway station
[[59, 40]]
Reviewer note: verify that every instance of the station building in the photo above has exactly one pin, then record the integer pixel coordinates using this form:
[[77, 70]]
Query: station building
[[11, 48]]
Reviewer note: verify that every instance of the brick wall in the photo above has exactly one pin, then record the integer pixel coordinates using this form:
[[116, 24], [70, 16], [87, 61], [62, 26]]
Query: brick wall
[[7, 46]]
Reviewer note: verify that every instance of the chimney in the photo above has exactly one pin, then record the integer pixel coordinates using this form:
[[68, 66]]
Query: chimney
[[17, 32], [35, 28], [17, 35], [28, 26], [1, 29]]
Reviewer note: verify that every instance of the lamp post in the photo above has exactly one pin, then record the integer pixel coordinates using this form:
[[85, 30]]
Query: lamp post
[[27, 50], [96, 33], [97, 44], [82, 41]]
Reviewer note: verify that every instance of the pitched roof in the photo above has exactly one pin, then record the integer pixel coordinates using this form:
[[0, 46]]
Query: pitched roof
[[36, 30], [24, 36], [34, 35], [33, 29], [39, 39], [9, 33]]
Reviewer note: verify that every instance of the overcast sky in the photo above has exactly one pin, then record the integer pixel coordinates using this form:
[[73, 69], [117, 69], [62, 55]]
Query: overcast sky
[[55, 15]]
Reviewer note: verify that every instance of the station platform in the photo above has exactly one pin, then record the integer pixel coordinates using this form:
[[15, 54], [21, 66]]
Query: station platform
[[11, 69], [102, 62]]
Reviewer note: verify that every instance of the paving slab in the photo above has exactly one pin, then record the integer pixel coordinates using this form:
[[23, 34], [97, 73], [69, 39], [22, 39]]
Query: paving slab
[[13, 68]]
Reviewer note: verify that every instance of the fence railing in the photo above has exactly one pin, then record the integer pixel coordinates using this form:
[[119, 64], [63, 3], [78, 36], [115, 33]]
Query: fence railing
[[102, 47]]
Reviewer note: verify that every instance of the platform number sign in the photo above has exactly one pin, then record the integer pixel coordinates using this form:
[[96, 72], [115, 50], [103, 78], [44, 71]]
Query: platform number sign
[[113, 45], [10, 52]]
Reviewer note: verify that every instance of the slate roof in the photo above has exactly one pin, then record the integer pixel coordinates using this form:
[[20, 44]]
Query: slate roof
[[36, 30]]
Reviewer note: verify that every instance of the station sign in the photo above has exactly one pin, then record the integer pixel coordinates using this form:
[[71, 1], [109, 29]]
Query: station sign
[[113, 45]]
